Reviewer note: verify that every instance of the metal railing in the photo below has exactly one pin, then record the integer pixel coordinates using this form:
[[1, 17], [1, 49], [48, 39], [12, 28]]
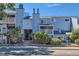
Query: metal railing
[[9, 20]]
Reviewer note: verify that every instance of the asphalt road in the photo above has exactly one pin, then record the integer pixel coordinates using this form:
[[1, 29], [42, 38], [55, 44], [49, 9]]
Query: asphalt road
[[33, 50], [22, 51]]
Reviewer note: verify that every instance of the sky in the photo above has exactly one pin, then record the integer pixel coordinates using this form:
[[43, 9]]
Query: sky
[[52, 9]]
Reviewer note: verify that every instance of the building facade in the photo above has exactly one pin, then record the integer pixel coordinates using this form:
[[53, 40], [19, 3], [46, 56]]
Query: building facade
[[55, 26]]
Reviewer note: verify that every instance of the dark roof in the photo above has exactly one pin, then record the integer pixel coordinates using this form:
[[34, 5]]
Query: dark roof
[[11, 14], [27, 17]]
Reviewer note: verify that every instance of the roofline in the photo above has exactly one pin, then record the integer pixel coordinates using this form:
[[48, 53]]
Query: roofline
[[58, 16], [44, 16]]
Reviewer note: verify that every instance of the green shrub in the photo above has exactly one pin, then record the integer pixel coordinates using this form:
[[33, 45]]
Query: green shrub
[[14, 35], [74, 37], [77, 41], [41, 37], [75, 34], [55, 41]]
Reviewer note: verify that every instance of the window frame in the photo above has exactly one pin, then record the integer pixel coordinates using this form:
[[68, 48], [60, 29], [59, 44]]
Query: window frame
[[78, 21], [66, 19]]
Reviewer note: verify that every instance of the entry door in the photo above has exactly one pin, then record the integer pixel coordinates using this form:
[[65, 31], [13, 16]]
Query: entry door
[[27, 34]]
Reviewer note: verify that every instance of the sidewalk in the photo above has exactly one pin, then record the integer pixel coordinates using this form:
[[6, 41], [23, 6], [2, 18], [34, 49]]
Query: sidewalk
[[63, 51], [63, 48]]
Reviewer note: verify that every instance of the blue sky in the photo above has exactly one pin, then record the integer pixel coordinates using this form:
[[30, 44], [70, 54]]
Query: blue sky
[[53, 9]]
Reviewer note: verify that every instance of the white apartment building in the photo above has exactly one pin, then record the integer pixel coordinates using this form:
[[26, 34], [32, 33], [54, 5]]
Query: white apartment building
[[55, 26]]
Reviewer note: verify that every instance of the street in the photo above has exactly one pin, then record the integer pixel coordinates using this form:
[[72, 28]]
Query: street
[[35, 50]]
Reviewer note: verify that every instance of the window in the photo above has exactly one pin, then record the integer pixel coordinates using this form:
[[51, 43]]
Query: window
[[0, 24], [66, 19], [0, 29], [4, 30], [54, 20], [50, 31], [78, 21], [41, 21]]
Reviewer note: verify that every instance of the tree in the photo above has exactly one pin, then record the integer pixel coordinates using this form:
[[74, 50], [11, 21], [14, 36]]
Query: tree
[[75, 34], [55, 41], [4, 6], [77, 41], [41, 37], [14, 35]]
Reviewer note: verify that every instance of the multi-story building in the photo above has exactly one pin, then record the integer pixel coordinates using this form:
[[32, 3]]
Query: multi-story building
[[55, 26], [6, 24]]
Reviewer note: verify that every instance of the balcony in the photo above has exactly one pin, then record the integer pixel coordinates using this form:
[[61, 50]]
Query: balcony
[[46, 25], [9, 20], [48, 28]]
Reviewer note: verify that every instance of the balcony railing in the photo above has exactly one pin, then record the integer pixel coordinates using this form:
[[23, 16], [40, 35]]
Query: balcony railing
[[9, 20]]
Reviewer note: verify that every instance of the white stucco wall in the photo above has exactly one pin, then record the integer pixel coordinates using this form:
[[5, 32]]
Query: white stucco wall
[[74, 22], [35, 22], [27, 24], [47, 20], [62, 36], [61, 24], [19, 17]]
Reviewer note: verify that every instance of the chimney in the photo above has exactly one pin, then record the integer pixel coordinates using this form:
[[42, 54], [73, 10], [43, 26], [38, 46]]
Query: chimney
[[33, 10], [21, 6], [37, 10]]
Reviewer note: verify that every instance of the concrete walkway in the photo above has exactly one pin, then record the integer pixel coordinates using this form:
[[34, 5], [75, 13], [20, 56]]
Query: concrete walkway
[[63, 48], [63, 51]]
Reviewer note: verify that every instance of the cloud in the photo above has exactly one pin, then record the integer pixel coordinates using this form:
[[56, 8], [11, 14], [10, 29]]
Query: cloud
[[53, 5]]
